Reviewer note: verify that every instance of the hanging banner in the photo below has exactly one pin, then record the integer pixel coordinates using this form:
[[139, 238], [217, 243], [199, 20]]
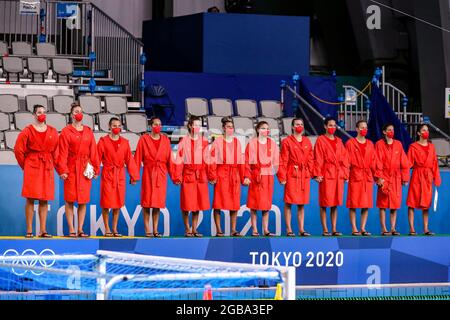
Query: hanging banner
[[29, 7], [350, 97]]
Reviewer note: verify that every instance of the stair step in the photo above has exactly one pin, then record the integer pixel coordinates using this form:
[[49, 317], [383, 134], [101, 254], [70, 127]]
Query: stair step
[[98, 81], [103, 89], [87, 73]]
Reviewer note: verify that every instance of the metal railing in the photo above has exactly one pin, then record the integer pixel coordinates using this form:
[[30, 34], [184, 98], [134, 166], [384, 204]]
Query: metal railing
[[356, 109]]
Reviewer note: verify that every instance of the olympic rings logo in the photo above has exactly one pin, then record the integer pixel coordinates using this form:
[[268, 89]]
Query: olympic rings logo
[[44, 263]]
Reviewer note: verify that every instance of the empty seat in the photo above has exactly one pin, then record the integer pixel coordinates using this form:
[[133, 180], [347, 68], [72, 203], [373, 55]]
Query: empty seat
[[62, 67], [271, 109], [88, 121], [103, 121], [90, 104], [45, 49], [214, 124], [62, 103], [9, 103], [23, 119], [10, 138], [287, 126], [273, 126], [133, 139], [56, 120], [12, 65], [442, 150], [197, 107], [4, 122], [3, 48], [116, 105], [21, 48], [246, 108], [136, 123], [34, 99], [313, 139], [222, 107], [37, 66], [98, 135], [243, 126], [7, 157]]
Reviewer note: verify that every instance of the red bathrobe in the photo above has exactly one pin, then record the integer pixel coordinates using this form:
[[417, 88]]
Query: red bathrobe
[[296, 167], [393, 167], [261, 163], [362, 170], [113, 181], [157, 164], [425, 172], [227, 169], [76, 149], [192, 170], [333, 167], [37, 161]]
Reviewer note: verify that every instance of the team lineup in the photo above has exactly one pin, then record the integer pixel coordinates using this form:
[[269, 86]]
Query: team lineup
[[77, 159]]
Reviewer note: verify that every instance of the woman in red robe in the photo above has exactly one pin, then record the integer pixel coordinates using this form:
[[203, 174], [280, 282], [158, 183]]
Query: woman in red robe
[[261, 163], [296, 166], [330, 171], [114, 152], [362, 160], [36, 153], [392, 171], [192, 172], [77, 153], [227, 171], [423, 159], [154, 153]]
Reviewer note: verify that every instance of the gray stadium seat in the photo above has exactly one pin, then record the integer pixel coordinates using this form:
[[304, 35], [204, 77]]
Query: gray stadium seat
[[246, 108], [214, 124], [90, 104], [442, 150], [133, 139], [4, 122], [273, 125], [116, 105], [313, 139], [56, 120], [3, 48], [197, 107], [7, 157], [45, 49], [37, 66], [88, 121], [222, 107], [98, 135], [244, 126], [287, 126], [21, 48], [9, 103], [33, 99], [10, 138], [23, 119], [62, 67], [271, 109], [62, 104], [12, 65], [103, 121], [136, 123]]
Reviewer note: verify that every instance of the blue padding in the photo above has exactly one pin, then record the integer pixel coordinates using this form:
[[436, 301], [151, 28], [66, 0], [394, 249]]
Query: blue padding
[[87, 73], [109, 89]]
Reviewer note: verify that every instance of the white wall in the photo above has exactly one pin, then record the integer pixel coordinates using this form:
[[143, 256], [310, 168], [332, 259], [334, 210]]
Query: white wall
[[187, 7]]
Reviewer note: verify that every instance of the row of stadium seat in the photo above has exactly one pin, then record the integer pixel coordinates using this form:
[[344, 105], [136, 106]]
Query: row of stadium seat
[[22, 48], [224, 108]]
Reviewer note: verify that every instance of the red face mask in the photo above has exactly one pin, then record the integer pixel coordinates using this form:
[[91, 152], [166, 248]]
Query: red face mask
[[41, 118], [363, 132], [116, 131], [390, 134], [196, 130], [331, 131], [299, 130], [78, 117], [425, 135], [230, 131], [156, 129]]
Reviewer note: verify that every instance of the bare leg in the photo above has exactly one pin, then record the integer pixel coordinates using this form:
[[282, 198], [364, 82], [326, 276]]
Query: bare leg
[[364, 217], [81, 216], [146, 212], [195, 215], [301, 218], [411, 220], [155, 219], [393, 219], [323, 219], [217, 221], [288, 217], [425, 221], [334, 215], [69, 216], [253, 219], [29, 213], [233, 220], [383, 220], [353, 221], [265, 222], [115, 220], [105, 216], [187, 227]]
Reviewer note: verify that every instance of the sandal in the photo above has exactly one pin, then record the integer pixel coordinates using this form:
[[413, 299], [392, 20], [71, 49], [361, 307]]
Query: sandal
[[386, 234], [269, 234], [117, 235], [72, 235], [29, 235], [188, 234], [337, 234], [326, 234], [395, 233], [45, 235], [82, 235], [412, 233], [429, 233], [197, 235], [108, 235], [304, 234], [157, 235], [236, 234], [149, 235], [255, 234], [220, 234], [356, 234], [366, 234], [290, 234]]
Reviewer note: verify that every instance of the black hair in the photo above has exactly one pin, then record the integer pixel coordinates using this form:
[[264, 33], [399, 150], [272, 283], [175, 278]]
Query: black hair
[[226, 120], [359, 122], [327, 120], [113, 119], [293, 122], [153, 119], [419, 128], [191, 120], [36, 107], [259, 125], [74, 105]]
